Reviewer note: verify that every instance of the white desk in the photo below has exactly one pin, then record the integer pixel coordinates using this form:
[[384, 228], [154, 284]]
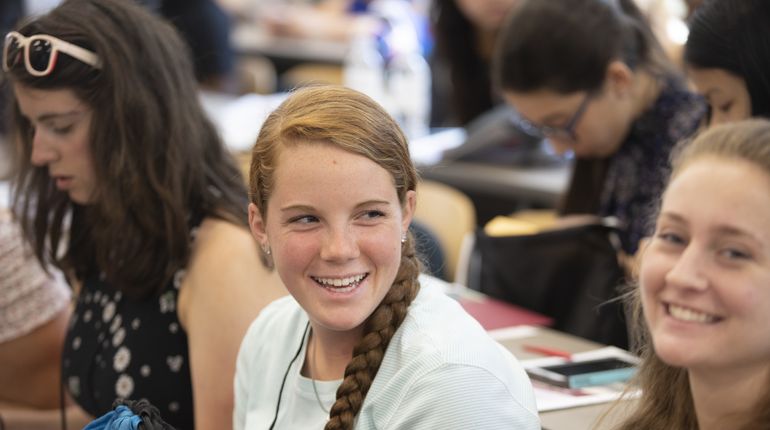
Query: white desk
[[579, 418], [250, 39], [542, 186]]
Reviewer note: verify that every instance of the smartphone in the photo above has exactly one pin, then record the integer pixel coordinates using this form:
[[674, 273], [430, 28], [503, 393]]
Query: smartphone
[[600, 371]]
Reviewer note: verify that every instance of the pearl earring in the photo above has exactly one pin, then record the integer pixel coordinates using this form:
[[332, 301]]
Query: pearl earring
[[266, 248], [403, 237]]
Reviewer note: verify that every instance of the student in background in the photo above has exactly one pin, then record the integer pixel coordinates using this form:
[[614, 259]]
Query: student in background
[[205, 26], [34, 312], [702, 304], [122, 170], [597, 83], [728, 58], [364, 341], [465, 32], [34, 309]]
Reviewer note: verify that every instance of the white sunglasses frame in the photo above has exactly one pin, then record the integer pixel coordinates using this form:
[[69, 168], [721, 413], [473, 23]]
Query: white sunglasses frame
[[57, 45]]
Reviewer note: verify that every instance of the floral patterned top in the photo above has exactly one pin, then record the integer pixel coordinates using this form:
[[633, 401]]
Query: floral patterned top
[[117, 347]]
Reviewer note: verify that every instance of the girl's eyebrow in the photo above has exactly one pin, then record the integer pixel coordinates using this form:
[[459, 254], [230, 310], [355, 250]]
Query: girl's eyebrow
[[56, 115], [732, 231], [720, 229], [306, 208]]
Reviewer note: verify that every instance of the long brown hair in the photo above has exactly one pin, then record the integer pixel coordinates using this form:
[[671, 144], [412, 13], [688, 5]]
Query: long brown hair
[[666, 401], [471, 91], [156, 156], [355, 123]]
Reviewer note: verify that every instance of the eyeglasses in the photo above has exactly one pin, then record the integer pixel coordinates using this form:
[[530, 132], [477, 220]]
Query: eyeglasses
[[544, 131], [40, 52]]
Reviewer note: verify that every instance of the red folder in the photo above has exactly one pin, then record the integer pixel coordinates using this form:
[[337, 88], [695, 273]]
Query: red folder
[[494, 314]]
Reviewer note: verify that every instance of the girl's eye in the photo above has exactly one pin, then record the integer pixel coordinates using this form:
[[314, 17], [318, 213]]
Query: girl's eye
[[671, 238], [62, 130], [734, 254], [304, 219], [373, 214]]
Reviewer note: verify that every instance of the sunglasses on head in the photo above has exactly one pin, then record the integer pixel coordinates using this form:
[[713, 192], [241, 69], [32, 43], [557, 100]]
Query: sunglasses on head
[[39, 53]]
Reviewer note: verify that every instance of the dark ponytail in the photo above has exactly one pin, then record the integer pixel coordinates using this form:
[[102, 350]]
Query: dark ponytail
[[566, 45]]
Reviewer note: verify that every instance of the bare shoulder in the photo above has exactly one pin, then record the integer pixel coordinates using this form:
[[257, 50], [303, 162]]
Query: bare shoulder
[[225, 266], [215, 235]]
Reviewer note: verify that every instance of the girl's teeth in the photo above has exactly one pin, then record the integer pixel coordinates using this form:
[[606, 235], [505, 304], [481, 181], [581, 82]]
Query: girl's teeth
[[341, 284], [689, 315]]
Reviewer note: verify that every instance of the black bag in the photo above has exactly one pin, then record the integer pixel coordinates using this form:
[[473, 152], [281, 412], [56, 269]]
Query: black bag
[[570, 275]]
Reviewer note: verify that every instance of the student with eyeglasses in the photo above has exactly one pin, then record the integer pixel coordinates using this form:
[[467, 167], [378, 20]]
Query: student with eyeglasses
[[124, 185], [590, 76], [727, 57], [364, 341]]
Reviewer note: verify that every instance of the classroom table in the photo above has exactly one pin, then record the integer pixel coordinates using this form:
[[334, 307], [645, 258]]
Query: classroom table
[[538, 186], [251, 39], [578, 418], [495, 188]]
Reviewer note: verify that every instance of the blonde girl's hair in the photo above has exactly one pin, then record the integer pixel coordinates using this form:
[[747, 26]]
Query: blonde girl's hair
[[354, 122]]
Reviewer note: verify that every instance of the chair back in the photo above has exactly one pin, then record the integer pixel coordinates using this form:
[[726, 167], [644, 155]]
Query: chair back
[[450, 215]]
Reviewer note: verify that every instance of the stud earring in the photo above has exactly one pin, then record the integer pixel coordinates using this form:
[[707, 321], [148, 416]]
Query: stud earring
[[266, 249], [403, 237]]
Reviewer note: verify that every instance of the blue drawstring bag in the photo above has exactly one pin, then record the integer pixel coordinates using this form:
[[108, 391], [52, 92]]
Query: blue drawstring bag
[[120, 418], [130, 415]]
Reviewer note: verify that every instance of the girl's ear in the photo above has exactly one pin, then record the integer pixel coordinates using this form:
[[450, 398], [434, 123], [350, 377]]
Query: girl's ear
[[619, 78], [408, 210], [257, 226]]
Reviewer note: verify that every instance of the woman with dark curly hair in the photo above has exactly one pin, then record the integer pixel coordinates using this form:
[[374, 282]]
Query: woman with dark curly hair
[[125, 185]]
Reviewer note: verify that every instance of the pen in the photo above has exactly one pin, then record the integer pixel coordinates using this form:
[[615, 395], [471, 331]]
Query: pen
[[547, 351]]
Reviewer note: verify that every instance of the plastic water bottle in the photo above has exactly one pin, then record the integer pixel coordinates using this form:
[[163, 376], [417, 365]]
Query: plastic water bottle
[[408, 73], [409, 85], [364, 67]]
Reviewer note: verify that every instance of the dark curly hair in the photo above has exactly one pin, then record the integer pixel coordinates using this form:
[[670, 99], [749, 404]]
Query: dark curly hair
[[156, 155]]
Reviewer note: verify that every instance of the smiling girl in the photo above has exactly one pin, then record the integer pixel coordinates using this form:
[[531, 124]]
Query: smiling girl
[[704, 294], [364, 341]]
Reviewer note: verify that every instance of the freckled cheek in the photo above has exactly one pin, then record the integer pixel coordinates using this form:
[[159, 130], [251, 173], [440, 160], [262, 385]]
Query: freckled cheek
[[294, 253], [382, 250]]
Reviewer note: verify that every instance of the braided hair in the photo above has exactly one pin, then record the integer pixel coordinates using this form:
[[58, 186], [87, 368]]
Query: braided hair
[[354, 122], [379, 328]]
